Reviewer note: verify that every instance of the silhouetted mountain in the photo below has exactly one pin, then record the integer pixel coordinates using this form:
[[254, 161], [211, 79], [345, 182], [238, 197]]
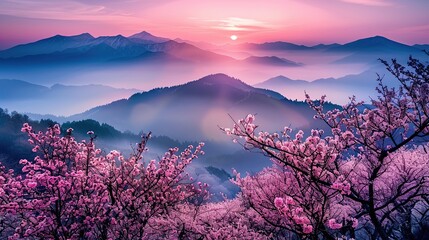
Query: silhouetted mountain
[[271, 61], [145, 37], [366, 50], [280, 82], [11, 89], [49, 45], [59, 99], [336, 89], [96, 50], [145, 48], [369, 50], [196, 109], [373, 44], [86, 49]]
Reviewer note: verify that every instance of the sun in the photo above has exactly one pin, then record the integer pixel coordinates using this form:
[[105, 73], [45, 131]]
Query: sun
[[234, 37]]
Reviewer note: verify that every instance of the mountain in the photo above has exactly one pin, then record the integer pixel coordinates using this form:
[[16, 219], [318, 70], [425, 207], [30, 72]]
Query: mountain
[[95, 50], [281, 82], [373, 44], [145, 48], [86, 49], [12, 89], [271, 61], [366, 50], [53, 44], [195, 110], [145, 37], [369, 50], [58, 99], [114, 42], [338, 90]]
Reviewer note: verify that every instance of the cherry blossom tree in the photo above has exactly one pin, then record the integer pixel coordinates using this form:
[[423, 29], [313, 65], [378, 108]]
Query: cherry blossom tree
[[366, 173], [72, 191]]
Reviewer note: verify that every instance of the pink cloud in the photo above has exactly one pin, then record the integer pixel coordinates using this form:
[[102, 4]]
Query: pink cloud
[[379, 3]]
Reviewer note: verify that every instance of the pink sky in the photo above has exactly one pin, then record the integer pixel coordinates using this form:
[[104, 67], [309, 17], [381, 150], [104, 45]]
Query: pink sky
[[299, 21]]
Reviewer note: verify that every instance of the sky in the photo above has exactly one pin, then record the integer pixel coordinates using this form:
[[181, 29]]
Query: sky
[[299, 21]]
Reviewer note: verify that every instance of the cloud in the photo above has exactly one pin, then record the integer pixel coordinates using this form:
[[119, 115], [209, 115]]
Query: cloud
[[74, 9], [238, 24], [377, 3]]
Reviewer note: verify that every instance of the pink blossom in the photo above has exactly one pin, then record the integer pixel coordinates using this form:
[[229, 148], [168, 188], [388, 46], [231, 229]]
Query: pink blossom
[[333, 224], [278, 202], [32, 184]]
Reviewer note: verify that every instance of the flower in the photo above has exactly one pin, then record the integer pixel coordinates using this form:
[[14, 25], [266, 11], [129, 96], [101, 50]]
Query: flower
[[32, 184]]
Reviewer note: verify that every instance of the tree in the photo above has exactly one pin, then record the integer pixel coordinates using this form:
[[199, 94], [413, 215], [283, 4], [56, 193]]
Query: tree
[[368, 165], [72, 191]]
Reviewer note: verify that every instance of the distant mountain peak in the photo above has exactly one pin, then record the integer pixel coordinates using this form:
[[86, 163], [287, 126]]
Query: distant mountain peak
[[375, 44], [282, 77], [379, 36], [119, 36], [81, 36], [113, 41], [219, 78], [375, 41], [221, 82], [146, 36], [143, 33], [376, 38], [84, 36]]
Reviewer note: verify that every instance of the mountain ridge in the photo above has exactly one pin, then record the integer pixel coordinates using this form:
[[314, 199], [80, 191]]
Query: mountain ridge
[[24, 96], [85, 48], [210, 100]]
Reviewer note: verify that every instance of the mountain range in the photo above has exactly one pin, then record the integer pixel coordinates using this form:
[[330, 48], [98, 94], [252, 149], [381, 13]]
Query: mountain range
[[366, 50], [86, 48], [58, 99], [143, 46], [197, 109], [337, 90]]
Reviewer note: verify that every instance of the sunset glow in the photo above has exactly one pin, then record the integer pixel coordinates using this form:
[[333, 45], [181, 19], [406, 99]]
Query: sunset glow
[[304, 22]]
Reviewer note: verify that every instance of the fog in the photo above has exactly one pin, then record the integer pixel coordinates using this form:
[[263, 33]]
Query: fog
[[148, 76]]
